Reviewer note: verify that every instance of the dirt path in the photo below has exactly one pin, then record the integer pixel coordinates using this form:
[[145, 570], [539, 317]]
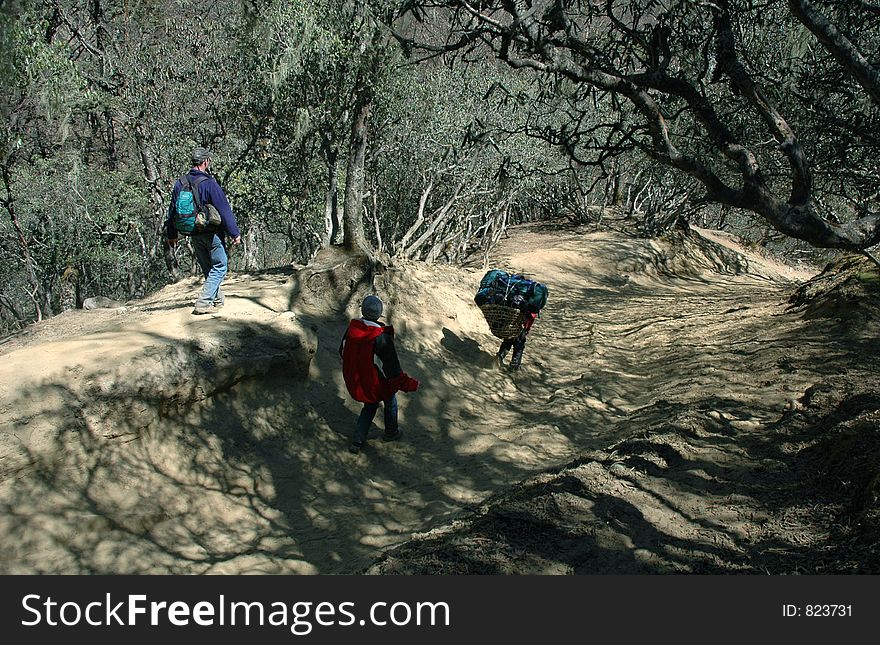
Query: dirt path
[[716, 432], [252, 474]]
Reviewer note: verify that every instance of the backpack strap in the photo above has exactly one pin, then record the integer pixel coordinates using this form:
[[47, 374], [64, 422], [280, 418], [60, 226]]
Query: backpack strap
[[512, 281], [195, 183]]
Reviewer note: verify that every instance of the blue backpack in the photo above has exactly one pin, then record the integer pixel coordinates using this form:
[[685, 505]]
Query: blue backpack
[[190, 215], [513, 290]]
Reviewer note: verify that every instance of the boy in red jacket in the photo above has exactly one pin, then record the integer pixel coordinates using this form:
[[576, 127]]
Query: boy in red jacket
[[365, 339]]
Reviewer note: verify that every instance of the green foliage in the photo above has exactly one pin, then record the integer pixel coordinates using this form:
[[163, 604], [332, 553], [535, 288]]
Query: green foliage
[[85, 219], [101, 109]]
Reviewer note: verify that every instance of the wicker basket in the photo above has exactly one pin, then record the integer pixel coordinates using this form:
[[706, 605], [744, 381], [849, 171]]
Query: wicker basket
[[504, 322]]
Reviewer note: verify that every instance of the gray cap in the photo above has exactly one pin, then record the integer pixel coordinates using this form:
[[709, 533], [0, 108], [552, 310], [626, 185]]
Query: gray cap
[[371, 308], [200, 156]]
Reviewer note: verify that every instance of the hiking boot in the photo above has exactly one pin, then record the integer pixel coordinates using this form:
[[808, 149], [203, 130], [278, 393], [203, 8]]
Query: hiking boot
[[219, 303], [392, 436], [201, 310], [355, 448]]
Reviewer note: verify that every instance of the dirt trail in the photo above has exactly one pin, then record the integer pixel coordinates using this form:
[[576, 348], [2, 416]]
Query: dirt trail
[[719, 431], [123, 452]]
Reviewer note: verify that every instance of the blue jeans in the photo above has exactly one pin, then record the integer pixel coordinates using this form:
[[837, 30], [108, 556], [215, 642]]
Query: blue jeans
[[214, 263], [365, 419]]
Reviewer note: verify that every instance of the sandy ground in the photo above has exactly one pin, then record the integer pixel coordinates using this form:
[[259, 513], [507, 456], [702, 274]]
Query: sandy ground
[[148, 440]]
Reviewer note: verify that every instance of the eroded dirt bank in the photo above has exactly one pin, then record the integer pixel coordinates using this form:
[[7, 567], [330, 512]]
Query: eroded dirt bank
[[672, 407]]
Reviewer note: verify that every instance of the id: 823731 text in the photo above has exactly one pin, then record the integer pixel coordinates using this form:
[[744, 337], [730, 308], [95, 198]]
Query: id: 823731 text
[[811, 611]]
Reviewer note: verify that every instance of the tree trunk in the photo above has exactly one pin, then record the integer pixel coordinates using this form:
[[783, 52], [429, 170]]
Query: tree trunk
[[439, 221], [250, 244], [402, 247], [157, 198], [353, 225], [15, 312], [331, 202], [112, 148], [37, 292], [844, 51], [380, 247]]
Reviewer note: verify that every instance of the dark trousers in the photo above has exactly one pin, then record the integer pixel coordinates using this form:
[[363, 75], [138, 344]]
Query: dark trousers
[[518, 343], [365, 420]]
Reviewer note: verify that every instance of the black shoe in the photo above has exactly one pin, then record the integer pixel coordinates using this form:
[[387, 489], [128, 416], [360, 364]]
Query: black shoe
[[393, 436], [355, 448]]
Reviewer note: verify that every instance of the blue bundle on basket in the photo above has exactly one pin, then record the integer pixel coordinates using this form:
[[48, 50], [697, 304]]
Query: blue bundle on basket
[[503, 297]]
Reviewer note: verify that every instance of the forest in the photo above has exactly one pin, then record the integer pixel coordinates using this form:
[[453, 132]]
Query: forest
[[421, 129]]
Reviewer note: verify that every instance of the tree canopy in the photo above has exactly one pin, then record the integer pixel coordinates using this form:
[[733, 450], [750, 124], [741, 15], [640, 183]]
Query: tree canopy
[[420, 128], [759, 103]]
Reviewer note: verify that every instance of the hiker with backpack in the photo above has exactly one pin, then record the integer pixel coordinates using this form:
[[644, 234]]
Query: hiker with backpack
[[199, 209], [365, 340], [510, 302]]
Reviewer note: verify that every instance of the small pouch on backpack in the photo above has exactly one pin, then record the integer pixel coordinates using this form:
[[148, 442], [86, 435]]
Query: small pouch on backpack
[[214, 220]]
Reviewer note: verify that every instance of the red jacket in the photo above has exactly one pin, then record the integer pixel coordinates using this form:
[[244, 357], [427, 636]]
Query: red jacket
[[363, 378]]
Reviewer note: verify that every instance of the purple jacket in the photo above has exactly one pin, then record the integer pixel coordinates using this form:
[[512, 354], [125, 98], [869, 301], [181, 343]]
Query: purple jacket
[[209, 193]]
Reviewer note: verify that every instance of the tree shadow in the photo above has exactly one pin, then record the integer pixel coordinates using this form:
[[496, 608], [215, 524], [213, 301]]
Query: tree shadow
[[228, 454]]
